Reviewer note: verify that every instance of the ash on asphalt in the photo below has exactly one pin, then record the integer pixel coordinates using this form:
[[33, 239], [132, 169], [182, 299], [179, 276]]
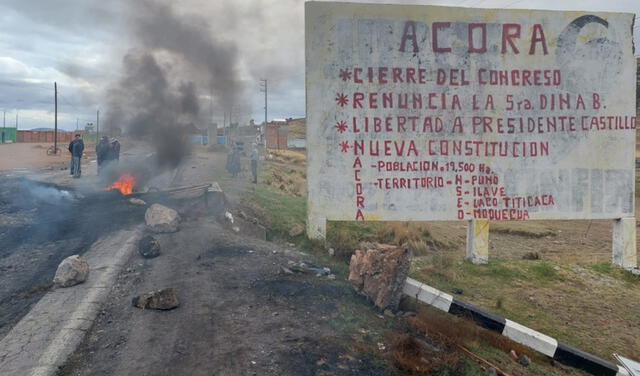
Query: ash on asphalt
[[40, 225]]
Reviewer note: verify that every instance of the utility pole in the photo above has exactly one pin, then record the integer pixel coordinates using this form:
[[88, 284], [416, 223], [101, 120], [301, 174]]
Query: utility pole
[[97, 126], [17, 120], [77, 123], [55, 132], [265, 90]]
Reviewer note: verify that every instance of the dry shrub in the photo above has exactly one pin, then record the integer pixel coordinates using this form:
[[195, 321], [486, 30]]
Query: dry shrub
[[288, 156], [343, 242], [443, 264], [287, 180], [454, 332], [414, 235], [410, 355]]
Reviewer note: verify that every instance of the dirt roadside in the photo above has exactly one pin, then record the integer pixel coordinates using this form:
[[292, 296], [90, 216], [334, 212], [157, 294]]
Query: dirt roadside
[[238, 316], [22, 156], [239, 313]]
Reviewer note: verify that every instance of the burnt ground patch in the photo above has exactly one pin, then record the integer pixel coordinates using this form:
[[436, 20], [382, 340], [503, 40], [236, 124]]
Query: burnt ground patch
[[40, 225], [323, 357]]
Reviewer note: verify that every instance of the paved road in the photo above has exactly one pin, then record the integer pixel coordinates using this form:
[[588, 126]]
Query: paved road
[[238, 315], [40, 225]]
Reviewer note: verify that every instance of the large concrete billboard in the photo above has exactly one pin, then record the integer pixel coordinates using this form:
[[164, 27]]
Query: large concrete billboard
[[440, 113]]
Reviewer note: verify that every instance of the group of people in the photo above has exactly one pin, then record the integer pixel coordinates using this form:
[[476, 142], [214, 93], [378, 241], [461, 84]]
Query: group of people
[[106, 151], [234, 166]]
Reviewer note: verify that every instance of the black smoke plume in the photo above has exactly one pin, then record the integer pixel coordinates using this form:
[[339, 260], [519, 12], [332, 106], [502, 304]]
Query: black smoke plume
[[175, 63]]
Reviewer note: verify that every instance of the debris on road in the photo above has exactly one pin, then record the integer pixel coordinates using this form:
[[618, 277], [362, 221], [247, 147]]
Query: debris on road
[[228, 216], [149, 247], [164, 299], [137, 201], [379, 272], [161, 219], [72, 271], [308, 268], [524, 360]]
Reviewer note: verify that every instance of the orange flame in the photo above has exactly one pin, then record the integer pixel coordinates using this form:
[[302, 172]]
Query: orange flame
[[124, 184]]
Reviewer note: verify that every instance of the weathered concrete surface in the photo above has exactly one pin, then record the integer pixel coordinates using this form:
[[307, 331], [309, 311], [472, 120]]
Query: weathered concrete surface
[[478, 241], [624, 243], [405, 123], [379, 271], [55, 326]]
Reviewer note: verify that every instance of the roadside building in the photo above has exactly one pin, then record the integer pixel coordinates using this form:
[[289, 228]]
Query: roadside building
[[7, 135], [276, 134], [43, 136]]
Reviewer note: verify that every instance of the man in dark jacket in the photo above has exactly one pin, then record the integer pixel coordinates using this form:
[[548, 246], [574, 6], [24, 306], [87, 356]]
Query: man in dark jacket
[[115, 149], [102, 153], [76, 148]]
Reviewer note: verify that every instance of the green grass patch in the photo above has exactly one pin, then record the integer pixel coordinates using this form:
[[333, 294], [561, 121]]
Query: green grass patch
[[497, 270], [544, 272], [617, 273]]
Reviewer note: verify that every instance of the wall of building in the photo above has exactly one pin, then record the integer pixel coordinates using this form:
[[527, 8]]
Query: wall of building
[[44, 136], [7, 134], [276, 136]]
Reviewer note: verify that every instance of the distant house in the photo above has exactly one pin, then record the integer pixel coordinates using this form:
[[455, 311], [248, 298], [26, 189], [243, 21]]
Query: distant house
[[276, 134], [286, 133], [7, 134]]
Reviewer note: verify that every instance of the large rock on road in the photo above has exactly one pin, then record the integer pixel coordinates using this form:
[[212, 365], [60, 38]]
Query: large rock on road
[[161, 219], [71, 271], [165, 299], [379, 271]]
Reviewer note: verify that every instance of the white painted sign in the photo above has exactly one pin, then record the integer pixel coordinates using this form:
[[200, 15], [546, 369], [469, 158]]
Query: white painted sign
[[439, 113]]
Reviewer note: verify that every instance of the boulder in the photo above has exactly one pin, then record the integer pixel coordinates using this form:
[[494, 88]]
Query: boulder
[[71, 271], [149, 247], [164, 299], [379, 271], [161, 219]]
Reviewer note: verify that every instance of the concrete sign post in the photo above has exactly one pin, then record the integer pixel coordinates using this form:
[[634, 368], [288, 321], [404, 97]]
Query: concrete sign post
[[419, 113]]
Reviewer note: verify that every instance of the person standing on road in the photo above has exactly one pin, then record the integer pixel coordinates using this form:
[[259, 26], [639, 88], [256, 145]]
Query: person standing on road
[[102, 153], [76, 148], [233, 161], [115, 149], [254, 162]]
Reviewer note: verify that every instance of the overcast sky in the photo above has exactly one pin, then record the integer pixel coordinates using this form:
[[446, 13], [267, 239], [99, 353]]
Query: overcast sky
[[80, 44]]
